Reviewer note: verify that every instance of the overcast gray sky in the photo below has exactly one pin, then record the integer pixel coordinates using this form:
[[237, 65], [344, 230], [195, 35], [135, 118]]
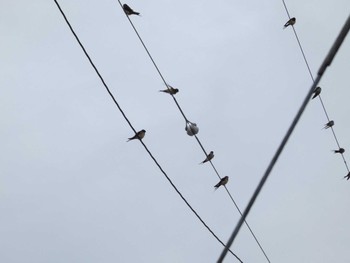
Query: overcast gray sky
[[73, 190]]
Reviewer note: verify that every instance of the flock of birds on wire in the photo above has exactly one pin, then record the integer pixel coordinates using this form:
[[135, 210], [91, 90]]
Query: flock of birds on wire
[[172, 91]]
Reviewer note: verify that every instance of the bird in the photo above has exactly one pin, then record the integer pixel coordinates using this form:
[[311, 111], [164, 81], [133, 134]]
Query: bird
[[209, 157], [328, 125], [341, 150], [127, 9], [317, 92], [223, 181], [290, 22], [347, 176], [170, 90], [139, 135]]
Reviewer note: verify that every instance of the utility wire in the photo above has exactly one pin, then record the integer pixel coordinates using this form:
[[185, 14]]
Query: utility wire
[[327, 62], [187, 121], [312, 77], [146, 148]]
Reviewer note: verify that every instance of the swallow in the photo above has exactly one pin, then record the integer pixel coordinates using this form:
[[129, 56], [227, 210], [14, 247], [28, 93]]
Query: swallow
[[209, 157], [127, 9], [317, 92], [170, 90], [223, 181], [341, 151], [328, 125], [139, 135], [347, 176], [290, 22]]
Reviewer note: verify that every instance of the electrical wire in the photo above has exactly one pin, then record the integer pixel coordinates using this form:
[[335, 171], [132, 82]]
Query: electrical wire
[[187, 121], [312, 77], [327, 62], [128, 121]]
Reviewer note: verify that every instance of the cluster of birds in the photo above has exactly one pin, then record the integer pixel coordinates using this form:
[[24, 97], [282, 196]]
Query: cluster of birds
[[172, 91], [317, 92], [329, 124], [141, 134]]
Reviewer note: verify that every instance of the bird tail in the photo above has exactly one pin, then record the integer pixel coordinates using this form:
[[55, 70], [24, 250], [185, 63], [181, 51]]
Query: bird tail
[[137, 13]]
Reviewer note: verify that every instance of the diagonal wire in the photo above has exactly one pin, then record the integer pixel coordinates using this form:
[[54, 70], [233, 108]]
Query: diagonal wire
[[187, 121], [327, 62], [146, 148], [312, 77]]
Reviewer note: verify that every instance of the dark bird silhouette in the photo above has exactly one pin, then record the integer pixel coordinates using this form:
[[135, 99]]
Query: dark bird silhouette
[[328, 125], [209, 157], [341, 151], [223, 181], [290, 22], [170, 90], [347, 176], [129, 11], [317, 92], [139, 135]]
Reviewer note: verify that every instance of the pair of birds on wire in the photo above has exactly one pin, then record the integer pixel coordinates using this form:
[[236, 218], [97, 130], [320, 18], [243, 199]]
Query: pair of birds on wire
[[129, 11], [141, 134], [223, 180]]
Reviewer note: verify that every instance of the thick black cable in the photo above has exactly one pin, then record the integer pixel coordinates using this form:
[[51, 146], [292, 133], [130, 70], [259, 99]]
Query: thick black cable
[[320, 73], [146, 148], [187, 121], [312, 77]]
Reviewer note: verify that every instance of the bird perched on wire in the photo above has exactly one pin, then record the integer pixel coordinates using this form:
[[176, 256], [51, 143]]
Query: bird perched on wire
[[328, 125], [290, 22], [209, 157], [139, 135], [347, 176], [170, 90], [223, 181], [317, 92], [341, 151], [127, 9]]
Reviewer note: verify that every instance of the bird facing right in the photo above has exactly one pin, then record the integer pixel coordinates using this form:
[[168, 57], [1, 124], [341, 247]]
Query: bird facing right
[[328, 125], [223, 181], [170, 90], [316, 92], [290, 22], [341, 151], [139, 135], [209, 157]]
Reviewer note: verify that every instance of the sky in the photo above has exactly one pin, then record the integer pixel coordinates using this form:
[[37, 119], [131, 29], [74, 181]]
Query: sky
[[73, 190]]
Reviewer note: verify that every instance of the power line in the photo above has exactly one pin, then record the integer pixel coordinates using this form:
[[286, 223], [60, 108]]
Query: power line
[[312, 77], [327, 61], [146, 148], [199, 142]]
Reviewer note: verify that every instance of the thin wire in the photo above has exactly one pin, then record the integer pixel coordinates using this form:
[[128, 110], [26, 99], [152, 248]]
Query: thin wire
[[312, 77], [146, 148], [199, 142], [237, 207], [327, 61]]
